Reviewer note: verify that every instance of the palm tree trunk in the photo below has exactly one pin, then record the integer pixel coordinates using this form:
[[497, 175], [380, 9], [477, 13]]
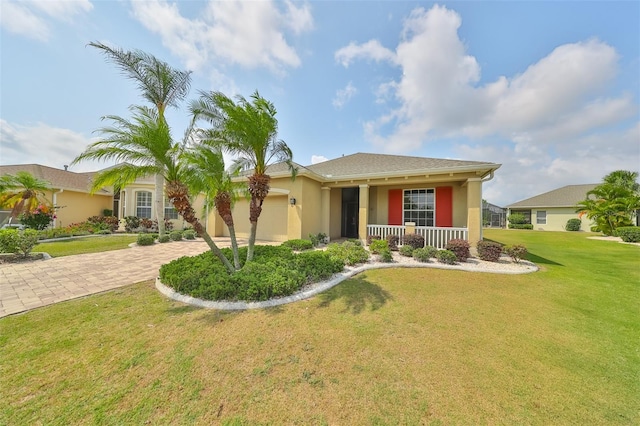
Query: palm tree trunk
[[179, 196], [258, 188], [159, 182], [223, 206]]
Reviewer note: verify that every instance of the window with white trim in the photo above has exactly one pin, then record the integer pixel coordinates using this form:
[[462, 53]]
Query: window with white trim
[[541, 217], [143, 204], [419, 206], [169, 211]]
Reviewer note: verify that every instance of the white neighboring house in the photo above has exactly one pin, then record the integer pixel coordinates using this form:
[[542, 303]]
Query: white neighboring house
[[551, 211]]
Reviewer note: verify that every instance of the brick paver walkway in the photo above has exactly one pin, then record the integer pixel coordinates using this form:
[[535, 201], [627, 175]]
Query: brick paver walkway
[[25, 286]]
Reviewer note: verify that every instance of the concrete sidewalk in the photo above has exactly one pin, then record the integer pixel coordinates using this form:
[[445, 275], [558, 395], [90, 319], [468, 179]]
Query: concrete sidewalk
[[25, 286]]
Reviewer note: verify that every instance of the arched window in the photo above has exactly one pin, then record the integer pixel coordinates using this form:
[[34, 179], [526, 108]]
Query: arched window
[[169, 211], [143, 204]]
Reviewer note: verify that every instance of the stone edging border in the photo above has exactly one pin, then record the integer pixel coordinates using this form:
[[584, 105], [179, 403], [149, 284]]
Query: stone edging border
[[315, 288]]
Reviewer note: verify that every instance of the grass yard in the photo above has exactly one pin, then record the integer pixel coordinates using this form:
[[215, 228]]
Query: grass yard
[[392, 346], [93, 244]]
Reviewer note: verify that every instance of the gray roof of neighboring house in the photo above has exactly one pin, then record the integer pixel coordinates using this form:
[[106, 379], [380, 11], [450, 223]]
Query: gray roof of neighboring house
[[59, 179], [567, 196], [363, 164]]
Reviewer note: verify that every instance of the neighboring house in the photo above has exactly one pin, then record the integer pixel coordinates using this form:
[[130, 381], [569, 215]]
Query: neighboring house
[[551, 211], [369, 194], [70, 193], [493, 216]]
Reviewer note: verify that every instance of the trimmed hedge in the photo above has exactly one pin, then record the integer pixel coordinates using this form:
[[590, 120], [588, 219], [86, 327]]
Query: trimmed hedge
[[460, 248], [298, 244], [629, 234], [447, 257], [392, 240], [414, 240], [146, 239], [517, 252], [189, 234], [406, 250], [520, 226], [424, 254], [489, 250], [378, 246], [573, 224]]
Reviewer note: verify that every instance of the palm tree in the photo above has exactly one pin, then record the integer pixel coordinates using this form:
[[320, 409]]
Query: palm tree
[[247, 130], [204, 172], [612, 203], [161, 85], [143, 146], [22, 192]]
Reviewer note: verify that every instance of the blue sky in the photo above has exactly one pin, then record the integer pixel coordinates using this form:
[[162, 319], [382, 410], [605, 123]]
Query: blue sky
[[548, 89]]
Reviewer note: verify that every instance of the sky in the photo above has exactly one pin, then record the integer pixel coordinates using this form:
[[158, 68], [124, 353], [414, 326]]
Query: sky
[[550, 90]]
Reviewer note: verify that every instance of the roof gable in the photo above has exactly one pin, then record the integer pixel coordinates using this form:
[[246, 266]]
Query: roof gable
[[567, 196]]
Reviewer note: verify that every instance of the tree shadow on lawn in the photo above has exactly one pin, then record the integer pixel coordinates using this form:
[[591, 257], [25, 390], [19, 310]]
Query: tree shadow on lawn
[[357, 294], [538, 260]]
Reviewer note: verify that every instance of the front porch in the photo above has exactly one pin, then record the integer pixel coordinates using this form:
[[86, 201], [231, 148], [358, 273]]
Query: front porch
[[433, 236]]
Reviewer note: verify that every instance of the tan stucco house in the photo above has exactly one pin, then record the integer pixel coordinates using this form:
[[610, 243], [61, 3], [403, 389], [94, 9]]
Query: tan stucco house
[[370, 194], [70, 193], [352, 196], [551, 211]]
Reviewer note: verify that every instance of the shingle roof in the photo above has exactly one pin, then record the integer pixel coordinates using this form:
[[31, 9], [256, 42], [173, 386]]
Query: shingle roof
[[59, 179], [371, 164], [567, 196]]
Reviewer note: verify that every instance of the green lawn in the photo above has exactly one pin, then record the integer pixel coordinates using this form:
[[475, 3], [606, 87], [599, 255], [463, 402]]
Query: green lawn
[[391, 346], [93, 244]]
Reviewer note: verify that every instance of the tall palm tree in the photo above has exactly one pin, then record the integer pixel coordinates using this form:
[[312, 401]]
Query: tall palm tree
[[143, 146], [204, 172], [22, 192], [161, 85], [248, 130]]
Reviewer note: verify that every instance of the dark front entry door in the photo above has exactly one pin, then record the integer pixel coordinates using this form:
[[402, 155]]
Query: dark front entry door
[[350, 207]]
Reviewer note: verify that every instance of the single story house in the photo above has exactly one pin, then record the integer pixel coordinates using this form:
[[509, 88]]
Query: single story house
[[551, 211], [348, 197], [364, 194], [70, 193]]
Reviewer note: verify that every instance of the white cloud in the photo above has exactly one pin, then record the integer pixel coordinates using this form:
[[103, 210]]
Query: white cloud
[[315, 159], [344, 95], [26, 18], [369, 50], [557, 120], [45, 145], [249, 34]]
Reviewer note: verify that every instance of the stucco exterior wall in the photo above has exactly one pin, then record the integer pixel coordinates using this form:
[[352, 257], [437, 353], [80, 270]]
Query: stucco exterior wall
[[74, 207], [557, 218]]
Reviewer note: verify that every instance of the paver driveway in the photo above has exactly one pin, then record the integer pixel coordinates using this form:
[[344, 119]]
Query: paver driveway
[[31, 285]]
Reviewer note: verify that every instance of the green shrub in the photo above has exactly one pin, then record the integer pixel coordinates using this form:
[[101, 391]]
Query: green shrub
[[406, 250], [146, 239], [573, 224], [164, 239], [107, 212], [489, 250], [275, 272], [377, 246], [447, 257], [18, 242], [348, 252], [629, 234], [131, 223], [298, 244], [517, 219], [317, 239], [104, 222], [386, 256], [189, 234], [80, 233], [392, 240], [104, 232], [371, 238], [414, 240], [520, 226], [517, 252], [460, 248], [176, 235], [424, 254]]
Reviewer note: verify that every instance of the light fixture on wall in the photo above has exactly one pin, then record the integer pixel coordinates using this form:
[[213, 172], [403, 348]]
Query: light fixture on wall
[[292, 201]]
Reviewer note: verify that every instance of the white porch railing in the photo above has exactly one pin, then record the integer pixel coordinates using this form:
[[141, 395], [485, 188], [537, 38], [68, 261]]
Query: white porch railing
[[433, 236]]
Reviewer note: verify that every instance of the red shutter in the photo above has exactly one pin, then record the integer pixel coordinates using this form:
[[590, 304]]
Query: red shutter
[[444, 206], [395, 207]]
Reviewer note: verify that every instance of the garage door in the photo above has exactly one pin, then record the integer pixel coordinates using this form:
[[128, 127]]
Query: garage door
[[272, 225]]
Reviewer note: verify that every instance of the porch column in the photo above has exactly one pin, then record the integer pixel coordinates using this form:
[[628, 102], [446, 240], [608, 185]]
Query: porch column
[[325, 206], [474, 210], [363, 216]]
